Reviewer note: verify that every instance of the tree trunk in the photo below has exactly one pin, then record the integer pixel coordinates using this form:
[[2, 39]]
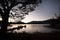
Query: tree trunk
[[4, 25]]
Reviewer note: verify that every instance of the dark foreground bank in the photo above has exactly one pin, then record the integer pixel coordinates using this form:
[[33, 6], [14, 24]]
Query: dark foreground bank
[[34, 36]]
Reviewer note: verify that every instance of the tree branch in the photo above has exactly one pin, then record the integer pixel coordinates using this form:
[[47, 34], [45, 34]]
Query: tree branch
[[14, 4]]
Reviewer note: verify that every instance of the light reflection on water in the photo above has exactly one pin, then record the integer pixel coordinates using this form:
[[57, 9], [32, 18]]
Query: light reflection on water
[[31, 28]]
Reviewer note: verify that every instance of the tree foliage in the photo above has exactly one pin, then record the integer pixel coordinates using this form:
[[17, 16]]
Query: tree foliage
[[22, 9]]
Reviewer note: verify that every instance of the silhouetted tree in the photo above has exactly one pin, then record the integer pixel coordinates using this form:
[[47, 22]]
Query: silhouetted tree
[[7, 5], [55, 21]]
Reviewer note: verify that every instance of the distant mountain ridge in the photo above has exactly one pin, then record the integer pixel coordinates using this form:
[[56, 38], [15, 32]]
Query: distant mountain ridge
[[42, 22], [38, 22]]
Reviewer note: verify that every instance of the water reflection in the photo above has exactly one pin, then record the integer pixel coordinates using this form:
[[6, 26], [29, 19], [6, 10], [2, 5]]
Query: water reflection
[[31, 28]]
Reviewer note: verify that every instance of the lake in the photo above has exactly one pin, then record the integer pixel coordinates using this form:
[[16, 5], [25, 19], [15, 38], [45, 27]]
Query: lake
[[32, 28]]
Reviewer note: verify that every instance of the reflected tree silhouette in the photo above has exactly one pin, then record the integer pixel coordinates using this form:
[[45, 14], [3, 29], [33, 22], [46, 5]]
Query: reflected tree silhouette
[[17, 28]]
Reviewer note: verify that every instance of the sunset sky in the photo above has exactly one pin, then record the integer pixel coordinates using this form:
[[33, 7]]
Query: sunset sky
[[44, 11]]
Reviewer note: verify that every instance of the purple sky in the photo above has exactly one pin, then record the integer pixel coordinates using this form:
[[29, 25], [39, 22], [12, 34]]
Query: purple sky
[[44, 11]]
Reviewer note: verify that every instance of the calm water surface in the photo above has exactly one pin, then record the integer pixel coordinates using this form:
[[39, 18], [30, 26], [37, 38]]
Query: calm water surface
[[31, 28]]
